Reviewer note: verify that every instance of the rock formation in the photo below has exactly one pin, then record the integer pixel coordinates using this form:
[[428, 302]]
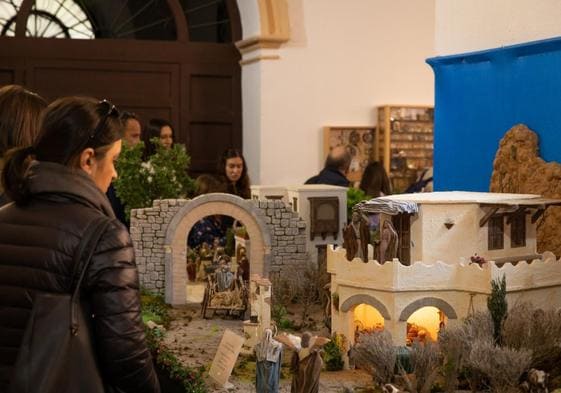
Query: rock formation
[[518, 168]]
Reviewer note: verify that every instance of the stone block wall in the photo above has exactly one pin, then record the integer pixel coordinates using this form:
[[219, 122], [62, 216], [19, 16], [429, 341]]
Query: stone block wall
[[148, 232], [288, 237], [149, 227]]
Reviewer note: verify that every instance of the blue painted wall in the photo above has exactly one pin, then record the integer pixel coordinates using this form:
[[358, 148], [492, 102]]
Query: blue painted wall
[[479, 96]]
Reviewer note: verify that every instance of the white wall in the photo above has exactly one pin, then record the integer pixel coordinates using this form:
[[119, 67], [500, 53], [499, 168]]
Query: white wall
[[471, 25], [343, 59]]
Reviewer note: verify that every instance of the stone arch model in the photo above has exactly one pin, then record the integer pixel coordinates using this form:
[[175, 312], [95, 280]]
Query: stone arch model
[[194, 210], [355, 300], [159, 234], [428, 301]]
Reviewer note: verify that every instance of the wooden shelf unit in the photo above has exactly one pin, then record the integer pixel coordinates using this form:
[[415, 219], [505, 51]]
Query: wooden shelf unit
[[404, 142]]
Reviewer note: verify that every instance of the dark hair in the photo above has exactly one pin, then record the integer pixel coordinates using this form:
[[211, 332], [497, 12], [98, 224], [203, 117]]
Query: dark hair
[[20, 111], [69, 125], [153, 130], [375, 180], [206, 184], [126, 116], [242, 187]]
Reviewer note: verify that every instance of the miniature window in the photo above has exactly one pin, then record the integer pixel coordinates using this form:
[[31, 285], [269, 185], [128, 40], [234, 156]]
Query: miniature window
[[295, 204], [518, 230], [402, 225], [496, 233]]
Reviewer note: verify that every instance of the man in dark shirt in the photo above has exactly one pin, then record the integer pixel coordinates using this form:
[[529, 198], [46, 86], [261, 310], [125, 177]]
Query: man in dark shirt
[[336, 166]]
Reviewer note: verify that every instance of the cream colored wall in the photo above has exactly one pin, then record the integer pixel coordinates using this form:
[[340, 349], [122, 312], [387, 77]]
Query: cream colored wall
[[464, 239], [342, 60], [471, 25], [397, 286]]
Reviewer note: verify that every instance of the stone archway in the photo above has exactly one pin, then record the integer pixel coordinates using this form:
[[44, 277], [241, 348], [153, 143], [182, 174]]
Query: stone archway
[[442, 305], [175, 243], [355, 300]]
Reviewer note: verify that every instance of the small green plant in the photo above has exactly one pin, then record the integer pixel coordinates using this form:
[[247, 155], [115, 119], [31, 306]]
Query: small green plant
[[335, 300], [163, 176], [354, 196], [191, 379], [498, 306], [279, 315], [333, 357], [154, 309]]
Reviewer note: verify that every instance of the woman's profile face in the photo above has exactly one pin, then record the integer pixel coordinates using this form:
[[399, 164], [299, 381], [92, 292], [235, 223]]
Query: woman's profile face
[[103, 170], [166, 136], [234, 169]]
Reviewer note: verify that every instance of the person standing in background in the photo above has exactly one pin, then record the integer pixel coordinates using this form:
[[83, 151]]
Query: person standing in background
[[375, 181], [335, 169], [20, 111], [157, 128], [232, 172], [131, 137]]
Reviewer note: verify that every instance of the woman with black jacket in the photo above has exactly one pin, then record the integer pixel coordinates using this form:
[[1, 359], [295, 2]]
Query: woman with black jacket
[[55, 197]]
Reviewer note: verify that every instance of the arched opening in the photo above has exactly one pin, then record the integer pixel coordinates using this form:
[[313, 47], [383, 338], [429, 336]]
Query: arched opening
[[257, 244], [424, 324], [218, 257], [366, 319]]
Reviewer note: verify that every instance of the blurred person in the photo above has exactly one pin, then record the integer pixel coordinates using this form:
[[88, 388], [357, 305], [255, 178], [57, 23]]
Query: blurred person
[[335, 169], [375, 181], [232, 172], [20, 111], [57, 196], [131, 138], [133, 129], [157, 128]]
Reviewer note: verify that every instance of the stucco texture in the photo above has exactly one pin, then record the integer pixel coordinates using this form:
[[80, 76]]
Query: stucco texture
[[518, 168]]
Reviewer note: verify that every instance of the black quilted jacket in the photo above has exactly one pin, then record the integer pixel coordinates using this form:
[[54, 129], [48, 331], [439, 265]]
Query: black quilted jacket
[[37, 243]]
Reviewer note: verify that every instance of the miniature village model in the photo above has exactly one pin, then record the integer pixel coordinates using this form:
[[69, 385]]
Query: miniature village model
[[441, 251]]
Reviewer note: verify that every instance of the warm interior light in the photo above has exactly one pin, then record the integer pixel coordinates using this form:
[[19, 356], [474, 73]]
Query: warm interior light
[[367, 317], [427, 320]]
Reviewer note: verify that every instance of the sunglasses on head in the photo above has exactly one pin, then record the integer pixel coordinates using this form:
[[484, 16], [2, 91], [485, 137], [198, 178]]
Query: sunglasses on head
[[108, 109]]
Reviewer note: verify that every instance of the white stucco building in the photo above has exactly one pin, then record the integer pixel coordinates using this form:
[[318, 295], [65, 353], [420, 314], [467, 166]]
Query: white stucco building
[[435, 282]]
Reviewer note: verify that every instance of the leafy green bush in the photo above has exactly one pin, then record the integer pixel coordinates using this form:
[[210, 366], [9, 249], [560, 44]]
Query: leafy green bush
[[279, 315], [354, 196], [163, 176], [333, 357], [154, 308]]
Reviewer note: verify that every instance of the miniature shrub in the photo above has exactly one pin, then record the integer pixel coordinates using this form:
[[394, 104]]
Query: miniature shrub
[[334, 350], [426, 360], [375, 353], [354, 196], [279, 315], [171, 372], [170, 369], [497, 305], [163, 176], [154, 308], [535, 330], [502, 366]]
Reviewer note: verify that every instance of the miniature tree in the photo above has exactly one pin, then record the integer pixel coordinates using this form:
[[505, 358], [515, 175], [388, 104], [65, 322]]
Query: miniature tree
[[498, 306]]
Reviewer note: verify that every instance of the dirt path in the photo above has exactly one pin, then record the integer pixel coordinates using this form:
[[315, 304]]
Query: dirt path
[[194, 341]]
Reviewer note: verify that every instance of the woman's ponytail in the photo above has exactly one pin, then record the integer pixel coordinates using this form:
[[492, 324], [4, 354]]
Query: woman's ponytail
[[13, 175]]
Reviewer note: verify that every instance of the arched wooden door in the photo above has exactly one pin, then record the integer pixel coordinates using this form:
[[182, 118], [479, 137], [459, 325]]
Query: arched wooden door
[[173, 59]]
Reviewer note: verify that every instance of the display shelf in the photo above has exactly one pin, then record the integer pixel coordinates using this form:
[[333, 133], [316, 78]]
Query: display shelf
[[404, 142]]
